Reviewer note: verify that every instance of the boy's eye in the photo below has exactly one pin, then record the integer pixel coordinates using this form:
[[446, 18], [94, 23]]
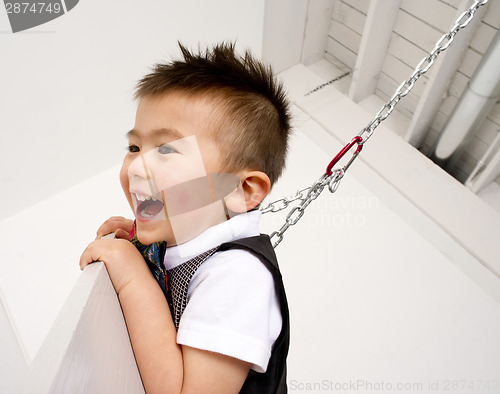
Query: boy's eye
[[133, 148], [166, 149]]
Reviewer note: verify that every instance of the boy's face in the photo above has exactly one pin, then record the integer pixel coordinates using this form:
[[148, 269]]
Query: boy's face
[[164, 174]]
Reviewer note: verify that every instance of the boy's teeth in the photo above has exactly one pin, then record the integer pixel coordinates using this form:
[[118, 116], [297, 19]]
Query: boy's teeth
[[142, 198]]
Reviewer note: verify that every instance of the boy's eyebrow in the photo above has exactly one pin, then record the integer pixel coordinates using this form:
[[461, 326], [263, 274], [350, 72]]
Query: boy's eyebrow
[[173, 133]]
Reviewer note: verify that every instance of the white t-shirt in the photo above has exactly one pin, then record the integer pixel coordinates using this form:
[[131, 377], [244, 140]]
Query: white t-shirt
[[232, 305]]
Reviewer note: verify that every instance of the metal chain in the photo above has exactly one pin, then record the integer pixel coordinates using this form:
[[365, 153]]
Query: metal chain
[[282, 203], [422, 67], [296, 213], [333, 177], [327, 83]]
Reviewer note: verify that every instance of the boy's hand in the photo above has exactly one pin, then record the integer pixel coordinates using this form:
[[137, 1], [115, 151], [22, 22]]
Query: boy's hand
[[116, 224], [122, 259]]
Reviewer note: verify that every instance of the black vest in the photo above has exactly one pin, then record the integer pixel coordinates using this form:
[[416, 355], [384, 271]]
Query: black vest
[[273, 381]]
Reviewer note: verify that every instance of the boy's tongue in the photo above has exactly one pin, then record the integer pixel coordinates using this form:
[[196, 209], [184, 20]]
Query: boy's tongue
[[150, 208]]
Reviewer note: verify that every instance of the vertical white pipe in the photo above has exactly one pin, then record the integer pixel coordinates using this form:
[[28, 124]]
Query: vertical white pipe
[[476, 102], [440, 79]]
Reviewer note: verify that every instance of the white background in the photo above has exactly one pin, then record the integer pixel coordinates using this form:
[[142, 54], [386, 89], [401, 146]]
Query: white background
[[66, 86]]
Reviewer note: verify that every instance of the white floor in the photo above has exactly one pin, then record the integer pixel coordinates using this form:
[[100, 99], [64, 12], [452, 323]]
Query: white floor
[[391, 285], [373, 302]]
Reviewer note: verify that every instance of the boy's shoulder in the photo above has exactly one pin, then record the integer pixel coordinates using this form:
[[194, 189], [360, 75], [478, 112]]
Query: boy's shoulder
[[258, 245], [244, 260], [244, 254]]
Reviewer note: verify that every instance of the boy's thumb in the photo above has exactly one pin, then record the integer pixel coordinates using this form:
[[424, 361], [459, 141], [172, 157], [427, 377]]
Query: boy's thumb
[[121, 234]]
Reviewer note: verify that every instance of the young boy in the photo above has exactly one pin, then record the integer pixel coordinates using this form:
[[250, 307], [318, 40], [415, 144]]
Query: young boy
[[210, 138]]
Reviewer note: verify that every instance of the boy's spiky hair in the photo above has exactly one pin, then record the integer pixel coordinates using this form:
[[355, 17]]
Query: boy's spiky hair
[[250, 107]]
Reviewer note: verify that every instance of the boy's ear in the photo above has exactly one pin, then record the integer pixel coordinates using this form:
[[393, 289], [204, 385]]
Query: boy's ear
[[255, 186]]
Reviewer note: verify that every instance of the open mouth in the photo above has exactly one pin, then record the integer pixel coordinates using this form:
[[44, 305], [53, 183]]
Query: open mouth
[[147, 207]]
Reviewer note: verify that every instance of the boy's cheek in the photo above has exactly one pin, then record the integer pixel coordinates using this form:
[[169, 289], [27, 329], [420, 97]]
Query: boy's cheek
[[124, 176], [187, 196], [125, 185]]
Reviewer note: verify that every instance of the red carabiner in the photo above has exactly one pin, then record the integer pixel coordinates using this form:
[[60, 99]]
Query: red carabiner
[[343, 151]]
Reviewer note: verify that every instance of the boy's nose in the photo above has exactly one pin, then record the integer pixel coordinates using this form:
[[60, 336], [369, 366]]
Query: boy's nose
[[138, 168]]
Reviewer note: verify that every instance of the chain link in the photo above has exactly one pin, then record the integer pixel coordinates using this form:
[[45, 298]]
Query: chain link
[[296, 213], [282, 203], [333, 177]]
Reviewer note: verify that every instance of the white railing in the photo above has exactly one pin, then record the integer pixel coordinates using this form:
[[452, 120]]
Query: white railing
[[13, 360], [88, 349]]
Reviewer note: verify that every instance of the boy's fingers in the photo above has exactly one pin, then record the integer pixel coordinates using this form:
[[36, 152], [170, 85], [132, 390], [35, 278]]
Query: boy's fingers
[[89, 256], [84, 259], [108, 226], [114, 223]]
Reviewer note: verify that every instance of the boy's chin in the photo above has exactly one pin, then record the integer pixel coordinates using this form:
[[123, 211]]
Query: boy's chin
[[146, 240], [147, 237]]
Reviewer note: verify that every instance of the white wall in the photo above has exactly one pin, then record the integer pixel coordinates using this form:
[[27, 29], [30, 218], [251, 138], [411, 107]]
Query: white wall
[[66, 86], [284, 27], [295, 31]]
